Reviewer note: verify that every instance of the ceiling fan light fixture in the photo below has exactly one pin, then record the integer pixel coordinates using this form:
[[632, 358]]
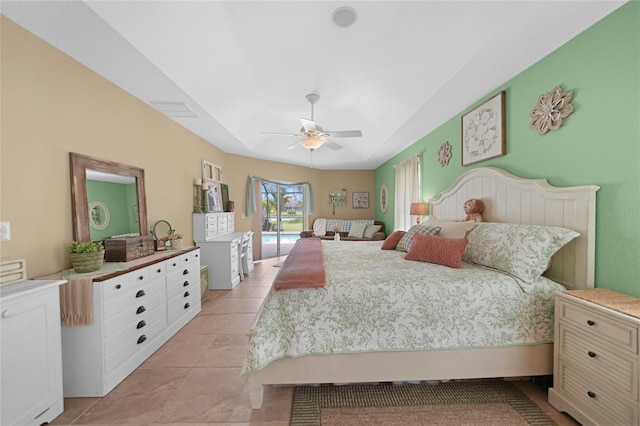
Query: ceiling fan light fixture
[[312, 143]]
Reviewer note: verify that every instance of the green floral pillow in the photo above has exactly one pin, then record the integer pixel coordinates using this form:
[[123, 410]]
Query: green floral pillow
[[523, 251]]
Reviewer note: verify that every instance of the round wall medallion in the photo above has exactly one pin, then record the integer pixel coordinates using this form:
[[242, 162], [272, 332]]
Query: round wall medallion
[[444, 154], [552, 107], [99, 216]]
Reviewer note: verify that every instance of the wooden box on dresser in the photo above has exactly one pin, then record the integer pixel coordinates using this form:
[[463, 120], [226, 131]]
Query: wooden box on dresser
[[135, 312], [31, 357], [596, 357], [220, 247]]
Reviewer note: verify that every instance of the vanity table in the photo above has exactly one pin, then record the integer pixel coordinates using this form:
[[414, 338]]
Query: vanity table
[[31, 355], [134, 313]]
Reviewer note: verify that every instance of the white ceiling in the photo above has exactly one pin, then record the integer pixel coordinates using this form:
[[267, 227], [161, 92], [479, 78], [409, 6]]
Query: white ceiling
[[244, 67]]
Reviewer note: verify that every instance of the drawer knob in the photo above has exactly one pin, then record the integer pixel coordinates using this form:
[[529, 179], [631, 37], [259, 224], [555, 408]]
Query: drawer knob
[[118, 286], [174, 264], [141, 324], [187, 305], [142, 339], [141, 277], [591, 394], [140, 293], [591, 323], [591, 354], [185, 284], [158, 270], [186, 294], [140, 310], [185, 272]]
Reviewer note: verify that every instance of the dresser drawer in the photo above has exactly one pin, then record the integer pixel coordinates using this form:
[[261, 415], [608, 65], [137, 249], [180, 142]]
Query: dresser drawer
[[148, 273], [129, 344], [597, 359], [597, 400], [598, 324], [136, 295], [133, 314], [115, 287], [185, 277], [135, 327], [182, 303]]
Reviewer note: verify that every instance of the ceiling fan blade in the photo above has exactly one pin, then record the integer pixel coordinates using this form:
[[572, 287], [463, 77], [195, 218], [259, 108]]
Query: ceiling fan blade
[[308, 125], [345, 134], [279, 134], [294, 145], [332, 145]]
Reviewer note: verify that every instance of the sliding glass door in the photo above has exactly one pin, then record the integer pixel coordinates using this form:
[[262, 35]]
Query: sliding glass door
[[283, 213]]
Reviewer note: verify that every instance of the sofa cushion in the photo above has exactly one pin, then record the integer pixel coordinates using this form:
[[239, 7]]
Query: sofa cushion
[[357, 229], [370, 230]]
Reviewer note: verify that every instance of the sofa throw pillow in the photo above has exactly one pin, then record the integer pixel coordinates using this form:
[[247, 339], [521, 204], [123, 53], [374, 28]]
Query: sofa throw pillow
[[405, 241], [370, 230], [436, 249], [523, 251], [357, 230], [450, 229], [391, 241]]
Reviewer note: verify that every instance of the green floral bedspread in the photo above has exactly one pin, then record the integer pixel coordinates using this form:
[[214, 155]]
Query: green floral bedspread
[[375, 300]]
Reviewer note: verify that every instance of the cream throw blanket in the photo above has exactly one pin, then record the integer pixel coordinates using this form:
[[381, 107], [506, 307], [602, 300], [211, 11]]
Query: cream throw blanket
[[320, 227]]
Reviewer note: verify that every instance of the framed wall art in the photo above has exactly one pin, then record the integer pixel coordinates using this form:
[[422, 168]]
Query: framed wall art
[[360, 200], [484, 131], [384, 198]]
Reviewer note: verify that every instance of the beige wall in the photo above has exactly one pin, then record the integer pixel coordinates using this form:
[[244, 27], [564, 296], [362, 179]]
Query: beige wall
[[51, 105]]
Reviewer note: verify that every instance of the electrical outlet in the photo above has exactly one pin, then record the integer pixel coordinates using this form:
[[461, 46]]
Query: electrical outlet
[[5, 231]]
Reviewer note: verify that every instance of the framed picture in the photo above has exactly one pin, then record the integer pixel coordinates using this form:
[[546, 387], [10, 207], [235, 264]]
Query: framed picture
[[213, 199], [360, 200], [484, 131]]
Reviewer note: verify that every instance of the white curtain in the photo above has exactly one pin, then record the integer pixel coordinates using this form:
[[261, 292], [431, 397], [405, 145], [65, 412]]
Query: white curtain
[[407, 191]]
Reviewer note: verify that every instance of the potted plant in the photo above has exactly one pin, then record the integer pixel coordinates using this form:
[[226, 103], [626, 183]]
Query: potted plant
[[175, 240], [86, 256]]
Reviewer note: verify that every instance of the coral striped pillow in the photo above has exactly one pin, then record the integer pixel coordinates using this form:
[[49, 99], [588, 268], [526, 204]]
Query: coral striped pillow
[[438, 250]]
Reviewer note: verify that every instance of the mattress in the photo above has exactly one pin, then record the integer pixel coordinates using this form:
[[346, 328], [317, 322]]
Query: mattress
[[375, 300]]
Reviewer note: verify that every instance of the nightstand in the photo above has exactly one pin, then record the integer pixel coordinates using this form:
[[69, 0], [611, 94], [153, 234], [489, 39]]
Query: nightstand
[[595, 373]]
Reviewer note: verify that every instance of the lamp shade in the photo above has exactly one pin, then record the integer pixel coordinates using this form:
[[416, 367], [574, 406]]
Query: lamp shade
[[418, 209]]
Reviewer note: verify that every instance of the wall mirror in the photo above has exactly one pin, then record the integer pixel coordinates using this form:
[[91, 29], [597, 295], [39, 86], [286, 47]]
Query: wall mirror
[[120, 188]]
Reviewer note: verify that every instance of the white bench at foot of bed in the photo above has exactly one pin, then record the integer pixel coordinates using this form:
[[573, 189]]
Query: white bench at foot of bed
[[514, 361]]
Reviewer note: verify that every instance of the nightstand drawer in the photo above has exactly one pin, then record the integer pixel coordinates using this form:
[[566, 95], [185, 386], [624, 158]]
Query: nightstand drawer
[[600, 325], [597, 359], [592, 397]]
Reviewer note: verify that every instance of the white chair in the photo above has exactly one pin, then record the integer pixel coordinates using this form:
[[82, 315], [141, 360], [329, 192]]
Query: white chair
[[244, 262]]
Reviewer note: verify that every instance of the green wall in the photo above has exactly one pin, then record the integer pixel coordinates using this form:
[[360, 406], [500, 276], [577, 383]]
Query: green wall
[[597, 144], [120, 199]]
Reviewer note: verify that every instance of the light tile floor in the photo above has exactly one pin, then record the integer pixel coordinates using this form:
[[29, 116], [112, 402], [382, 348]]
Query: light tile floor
[[194, 379]]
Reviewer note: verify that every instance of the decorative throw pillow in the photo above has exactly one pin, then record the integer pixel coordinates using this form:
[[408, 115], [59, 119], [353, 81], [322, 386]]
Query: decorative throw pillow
[[357, 229], [436, 249], [370, 230], [523, 251], [450, 229], [391, 241], [405, 241]]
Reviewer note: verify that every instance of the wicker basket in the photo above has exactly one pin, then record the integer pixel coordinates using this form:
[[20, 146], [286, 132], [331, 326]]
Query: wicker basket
[[176, 244], [87, 262]]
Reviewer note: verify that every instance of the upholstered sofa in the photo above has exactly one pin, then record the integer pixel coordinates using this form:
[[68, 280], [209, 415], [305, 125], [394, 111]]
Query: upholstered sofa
[[350, 229]]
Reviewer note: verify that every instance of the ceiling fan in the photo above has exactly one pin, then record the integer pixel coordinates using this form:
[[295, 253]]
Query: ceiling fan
[[313, 136]]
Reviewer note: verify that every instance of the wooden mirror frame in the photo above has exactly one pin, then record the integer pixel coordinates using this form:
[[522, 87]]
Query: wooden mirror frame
[[79, 205]]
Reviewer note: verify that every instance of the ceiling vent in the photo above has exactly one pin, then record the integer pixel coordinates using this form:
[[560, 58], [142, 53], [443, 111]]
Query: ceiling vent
[[174, 109]]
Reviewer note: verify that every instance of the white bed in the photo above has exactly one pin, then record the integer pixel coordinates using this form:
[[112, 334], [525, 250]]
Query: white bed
[[507, 199]]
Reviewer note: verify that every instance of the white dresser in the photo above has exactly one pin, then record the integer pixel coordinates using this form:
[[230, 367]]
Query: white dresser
[[134, 314], [220, 248], [596, 357], [31, 355]]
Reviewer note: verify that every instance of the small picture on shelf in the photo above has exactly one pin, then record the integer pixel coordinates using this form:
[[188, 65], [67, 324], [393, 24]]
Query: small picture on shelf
[[213, 199]]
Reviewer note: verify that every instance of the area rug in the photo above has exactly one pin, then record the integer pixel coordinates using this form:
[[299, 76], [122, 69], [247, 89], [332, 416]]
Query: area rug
[[451, 403]]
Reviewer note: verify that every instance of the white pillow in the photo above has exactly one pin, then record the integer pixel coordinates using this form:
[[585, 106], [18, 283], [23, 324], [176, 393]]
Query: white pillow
[[450, 229], [370, 230], [523, 251], [357, 229]]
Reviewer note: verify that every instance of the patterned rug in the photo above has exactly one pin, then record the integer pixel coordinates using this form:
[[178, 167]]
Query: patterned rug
[[459, 403]]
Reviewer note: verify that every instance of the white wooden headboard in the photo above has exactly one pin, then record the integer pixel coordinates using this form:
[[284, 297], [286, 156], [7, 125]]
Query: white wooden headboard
[[511, 199]]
